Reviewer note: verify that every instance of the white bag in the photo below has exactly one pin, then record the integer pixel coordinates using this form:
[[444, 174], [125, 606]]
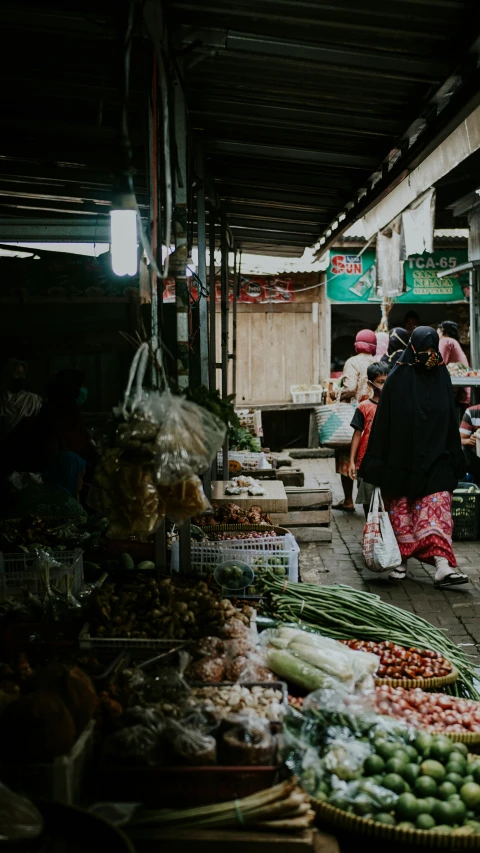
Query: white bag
[[379, 545]]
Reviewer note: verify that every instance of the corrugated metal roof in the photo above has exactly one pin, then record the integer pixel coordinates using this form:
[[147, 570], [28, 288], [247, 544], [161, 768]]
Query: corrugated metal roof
[[298, 102]]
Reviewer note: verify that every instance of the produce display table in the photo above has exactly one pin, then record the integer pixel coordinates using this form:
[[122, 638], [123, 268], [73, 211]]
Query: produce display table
[[466, 382], [275, 499]]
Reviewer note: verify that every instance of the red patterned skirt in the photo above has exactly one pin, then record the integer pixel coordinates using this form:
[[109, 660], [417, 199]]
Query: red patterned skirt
[[423, 527]]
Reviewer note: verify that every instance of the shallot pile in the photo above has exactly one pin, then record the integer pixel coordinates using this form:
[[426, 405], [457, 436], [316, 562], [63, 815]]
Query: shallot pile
[[399, 662], [435, 712]]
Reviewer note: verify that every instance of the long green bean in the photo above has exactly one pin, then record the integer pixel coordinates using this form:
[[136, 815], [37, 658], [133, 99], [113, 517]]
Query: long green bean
[[344, 613]]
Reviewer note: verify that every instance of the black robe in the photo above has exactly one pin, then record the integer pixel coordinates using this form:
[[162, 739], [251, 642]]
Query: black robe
[[414, 448]]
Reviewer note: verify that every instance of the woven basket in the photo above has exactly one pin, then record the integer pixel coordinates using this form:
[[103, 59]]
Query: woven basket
[[424, 683], [333, 817]]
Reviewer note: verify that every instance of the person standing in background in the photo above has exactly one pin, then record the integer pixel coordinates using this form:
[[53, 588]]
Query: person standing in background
[[354, 387], [468, 427], [397, 342], [411, 321], [452, 353]]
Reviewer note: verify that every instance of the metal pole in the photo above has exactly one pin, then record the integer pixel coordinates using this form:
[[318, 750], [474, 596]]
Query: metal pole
[[202, 265], [224, 326], [234, 326], [180, 232], [180, 272], [212, 306], [160, 538]]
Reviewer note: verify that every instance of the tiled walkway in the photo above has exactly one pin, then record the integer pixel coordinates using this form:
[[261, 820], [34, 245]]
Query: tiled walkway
[[456, 611]]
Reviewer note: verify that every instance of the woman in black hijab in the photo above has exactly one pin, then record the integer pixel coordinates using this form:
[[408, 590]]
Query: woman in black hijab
[[415, 456], [397, 341]]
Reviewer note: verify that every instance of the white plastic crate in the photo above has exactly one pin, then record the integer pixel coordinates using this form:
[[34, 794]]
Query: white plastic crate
[[61, 781], [20, 571], [278, 552], [306, 393], [248, 460]]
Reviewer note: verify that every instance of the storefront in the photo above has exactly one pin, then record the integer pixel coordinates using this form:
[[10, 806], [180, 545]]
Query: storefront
[[356, 304]]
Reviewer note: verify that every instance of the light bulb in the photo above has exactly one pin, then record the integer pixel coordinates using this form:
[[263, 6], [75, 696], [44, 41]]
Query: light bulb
[[123, 230]]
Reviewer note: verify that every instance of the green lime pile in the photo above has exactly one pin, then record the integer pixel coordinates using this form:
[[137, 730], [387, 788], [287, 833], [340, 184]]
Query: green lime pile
[[278, 565], [435, 786]]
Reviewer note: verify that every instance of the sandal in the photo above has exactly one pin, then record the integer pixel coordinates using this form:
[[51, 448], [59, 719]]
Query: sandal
[[453, 579], [343, 508], [398, 575]]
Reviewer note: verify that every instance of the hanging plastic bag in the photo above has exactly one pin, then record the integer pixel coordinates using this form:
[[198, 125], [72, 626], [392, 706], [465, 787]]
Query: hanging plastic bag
[[159, 444], [379, 545]]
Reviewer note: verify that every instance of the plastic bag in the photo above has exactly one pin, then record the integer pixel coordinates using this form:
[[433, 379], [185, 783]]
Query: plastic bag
[[247, 743], [136, 746], [314, 661], [19, 819], [190, 745], [379, 545], [159, 444]]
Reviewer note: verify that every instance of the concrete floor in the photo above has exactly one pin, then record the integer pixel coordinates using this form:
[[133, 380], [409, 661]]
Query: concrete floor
[[456, 611]]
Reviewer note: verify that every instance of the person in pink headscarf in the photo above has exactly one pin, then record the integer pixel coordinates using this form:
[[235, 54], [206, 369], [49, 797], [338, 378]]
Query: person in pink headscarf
[[354, 387]]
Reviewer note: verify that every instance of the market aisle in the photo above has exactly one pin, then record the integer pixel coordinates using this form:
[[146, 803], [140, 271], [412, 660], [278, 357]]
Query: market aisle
[[457, 612]]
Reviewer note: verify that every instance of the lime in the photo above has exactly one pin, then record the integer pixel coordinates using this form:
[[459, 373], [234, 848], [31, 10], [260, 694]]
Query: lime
[[406, 807], [459, 760], [384, 817], [402, 755], [434, 769], [386, 749], [445, 790], [468, 779], [340, 801], [425, 786], [373, 764], [410, 773], [456, 779], [411, 752], [441, 748], [460, 810], [425, 821], [321, 796], [406, 824], [462, 748], [423, 743], [362, 804], [444, 813], [426, 806], [476, 773], [394, 783], [396, 765], [470, 794]]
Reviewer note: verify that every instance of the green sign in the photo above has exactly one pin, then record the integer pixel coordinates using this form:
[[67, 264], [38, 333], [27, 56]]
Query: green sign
[[351, 278]]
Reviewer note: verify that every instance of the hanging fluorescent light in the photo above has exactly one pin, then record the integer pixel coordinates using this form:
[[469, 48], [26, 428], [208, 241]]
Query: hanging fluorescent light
[[123, 228]]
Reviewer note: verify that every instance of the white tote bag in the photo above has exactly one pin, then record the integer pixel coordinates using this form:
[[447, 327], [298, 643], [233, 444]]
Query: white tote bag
[[380, 548]]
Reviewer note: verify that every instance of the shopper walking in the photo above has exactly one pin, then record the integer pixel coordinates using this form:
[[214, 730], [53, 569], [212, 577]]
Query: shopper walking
[[362, 424], [354, 387], [452, 353], [415, 456], [397, 341]]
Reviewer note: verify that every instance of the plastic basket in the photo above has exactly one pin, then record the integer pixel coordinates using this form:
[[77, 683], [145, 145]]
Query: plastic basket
[[18, 571], [466, 513], [279, 553], [61, 781], [306, 394], [248, 460]]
